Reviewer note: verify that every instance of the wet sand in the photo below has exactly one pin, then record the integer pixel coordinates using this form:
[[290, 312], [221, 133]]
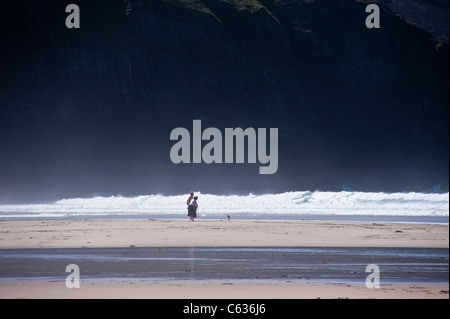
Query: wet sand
[[330, 264]]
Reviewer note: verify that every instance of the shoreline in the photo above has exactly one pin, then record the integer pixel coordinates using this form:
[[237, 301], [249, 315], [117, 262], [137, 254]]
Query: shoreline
[[415, 220]]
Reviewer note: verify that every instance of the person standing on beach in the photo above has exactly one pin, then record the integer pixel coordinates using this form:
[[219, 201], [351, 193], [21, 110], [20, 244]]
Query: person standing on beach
[[192, 209], [191, 196], [188, 203]]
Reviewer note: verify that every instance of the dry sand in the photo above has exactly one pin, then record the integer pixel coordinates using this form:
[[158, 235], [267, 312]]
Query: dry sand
[[176, 233], [180, 233], [219, 290]]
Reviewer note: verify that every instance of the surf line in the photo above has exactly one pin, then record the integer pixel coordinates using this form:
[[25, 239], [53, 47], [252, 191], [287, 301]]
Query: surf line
[[212, 151]]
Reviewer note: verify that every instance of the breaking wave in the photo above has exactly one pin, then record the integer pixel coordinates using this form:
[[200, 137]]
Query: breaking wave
[[299, 203]]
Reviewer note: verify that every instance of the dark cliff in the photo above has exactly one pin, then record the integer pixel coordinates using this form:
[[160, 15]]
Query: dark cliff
[[90, 110]]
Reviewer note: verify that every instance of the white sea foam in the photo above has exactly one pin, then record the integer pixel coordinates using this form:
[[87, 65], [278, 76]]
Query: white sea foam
[[290, 203]]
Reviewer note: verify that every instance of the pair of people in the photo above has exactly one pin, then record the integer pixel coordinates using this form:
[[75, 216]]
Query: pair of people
[[192, 206]]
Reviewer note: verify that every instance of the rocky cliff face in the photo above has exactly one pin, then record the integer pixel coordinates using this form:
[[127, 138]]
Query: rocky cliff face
[[430, 15], [91, 109]]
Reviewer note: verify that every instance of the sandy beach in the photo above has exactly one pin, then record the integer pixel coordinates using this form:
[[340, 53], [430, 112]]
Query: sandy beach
[[219, 290], [181, 233], [69, 234]]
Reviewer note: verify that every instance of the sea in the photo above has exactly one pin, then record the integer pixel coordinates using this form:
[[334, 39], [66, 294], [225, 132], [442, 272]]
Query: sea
[[409, 207]]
